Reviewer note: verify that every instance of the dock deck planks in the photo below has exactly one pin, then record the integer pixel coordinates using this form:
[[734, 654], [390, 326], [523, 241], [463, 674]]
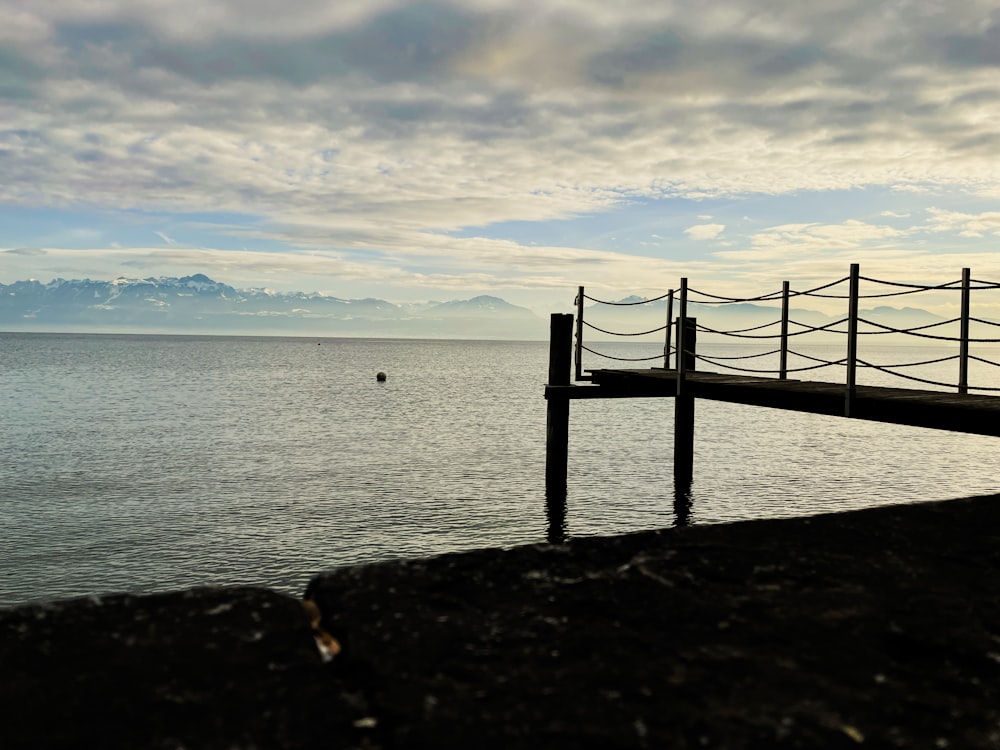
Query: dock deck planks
[[957, 412]]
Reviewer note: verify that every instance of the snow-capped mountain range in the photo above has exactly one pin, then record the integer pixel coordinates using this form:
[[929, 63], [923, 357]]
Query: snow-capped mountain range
[[200, 304]]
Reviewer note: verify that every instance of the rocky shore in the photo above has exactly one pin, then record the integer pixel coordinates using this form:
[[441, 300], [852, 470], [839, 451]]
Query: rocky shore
[[876, 628]]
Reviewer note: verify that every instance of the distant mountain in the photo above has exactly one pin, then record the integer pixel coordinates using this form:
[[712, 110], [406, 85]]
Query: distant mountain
[[477, 306], [199, 304], [899, 316]]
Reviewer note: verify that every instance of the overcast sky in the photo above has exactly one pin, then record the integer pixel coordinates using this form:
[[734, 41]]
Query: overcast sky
[[433, 150]]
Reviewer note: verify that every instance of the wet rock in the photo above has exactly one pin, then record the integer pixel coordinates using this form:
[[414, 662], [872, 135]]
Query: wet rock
[[202, 668], [877, 628], [880, 627]]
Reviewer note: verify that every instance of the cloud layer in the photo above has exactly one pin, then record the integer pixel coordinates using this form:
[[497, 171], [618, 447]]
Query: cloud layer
[[378, 132]]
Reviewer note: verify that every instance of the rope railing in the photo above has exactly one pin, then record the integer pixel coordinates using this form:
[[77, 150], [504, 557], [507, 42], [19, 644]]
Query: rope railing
[[810, 329], [828, 327], [737, 331], [772, 371], [853, 326], [922, 363], [626, 304], [890, 370], [913, 331], [622, 359], [714, 299], [742, 356], [615, 333], [822, 362], [770, 296], [913, 287]]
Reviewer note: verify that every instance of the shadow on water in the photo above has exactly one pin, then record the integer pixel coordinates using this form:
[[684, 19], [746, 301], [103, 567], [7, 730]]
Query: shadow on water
[[556, 503], [555, 512]]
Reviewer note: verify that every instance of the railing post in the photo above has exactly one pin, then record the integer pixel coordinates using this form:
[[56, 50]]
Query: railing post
[[690, 354], [852, 340], [684, 402], [783, 365], [578, 357], [963, 351], [557, 411], [682, 338], [670, 323]]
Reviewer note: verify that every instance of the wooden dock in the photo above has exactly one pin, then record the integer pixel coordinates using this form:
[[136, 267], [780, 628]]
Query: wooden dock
[[960, 411]]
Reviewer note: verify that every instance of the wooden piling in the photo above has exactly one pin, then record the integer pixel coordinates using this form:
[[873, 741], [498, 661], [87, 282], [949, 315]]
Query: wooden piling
[[557, 411], [684, 402]]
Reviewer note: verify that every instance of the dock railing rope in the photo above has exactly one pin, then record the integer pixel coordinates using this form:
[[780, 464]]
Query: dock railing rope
[[853, 326], [581, 324]]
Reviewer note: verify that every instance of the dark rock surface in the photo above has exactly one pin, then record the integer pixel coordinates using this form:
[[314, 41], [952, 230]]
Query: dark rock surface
[[205, 668], [877, 628]]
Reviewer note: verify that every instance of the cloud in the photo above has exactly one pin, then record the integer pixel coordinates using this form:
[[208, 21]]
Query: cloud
[[566, 99], [964, 224], [29, 251], [848, 234], [376, 129], [704, 231], [817, 245]]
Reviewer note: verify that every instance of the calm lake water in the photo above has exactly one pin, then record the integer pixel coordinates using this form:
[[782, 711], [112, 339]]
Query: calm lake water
[[143, 463]]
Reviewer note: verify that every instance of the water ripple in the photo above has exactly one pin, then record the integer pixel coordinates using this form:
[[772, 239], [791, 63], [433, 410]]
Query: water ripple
[[145, 463]]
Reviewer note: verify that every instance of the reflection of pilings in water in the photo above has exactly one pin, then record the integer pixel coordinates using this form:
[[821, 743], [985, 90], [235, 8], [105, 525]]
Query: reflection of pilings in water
[[683, 501], [555, 512]]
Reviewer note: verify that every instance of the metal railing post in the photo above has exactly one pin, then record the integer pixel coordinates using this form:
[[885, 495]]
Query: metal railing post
[[670, 323], [963, 351], [852, 341], [578, 351], [681, 358], [783, 365]]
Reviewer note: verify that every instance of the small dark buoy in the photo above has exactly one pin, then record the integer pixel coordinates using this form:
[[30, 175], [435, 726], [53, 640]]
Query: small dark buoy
[[380, 377]]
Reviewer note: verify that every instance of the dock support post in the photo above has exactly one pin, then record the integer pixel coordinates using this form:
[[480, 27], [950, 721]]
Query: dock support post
[[682, 345], [557, 410], [684, 402], [852, 341], [963, 352], [783, 367]]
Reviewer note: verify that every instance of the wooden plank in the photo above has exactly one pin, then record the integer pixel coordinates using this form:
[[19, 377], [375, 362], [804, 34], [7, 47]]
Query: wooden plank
[[957, 412]]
